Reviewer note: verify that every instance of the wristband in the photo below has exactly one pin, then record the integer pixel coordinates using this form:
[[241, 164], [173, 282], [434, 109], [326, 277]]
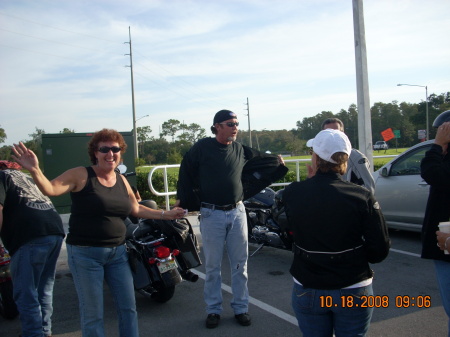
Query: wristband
[[162, 215]]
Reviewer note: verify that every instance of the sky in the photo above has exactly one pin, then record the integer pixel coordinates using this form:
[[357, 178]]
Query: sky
[[66, 64]]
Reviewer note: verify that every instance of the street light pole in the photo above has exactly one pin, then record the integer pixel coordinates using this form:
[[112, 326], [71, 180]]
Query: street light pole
[[426, 104], [142, 117]]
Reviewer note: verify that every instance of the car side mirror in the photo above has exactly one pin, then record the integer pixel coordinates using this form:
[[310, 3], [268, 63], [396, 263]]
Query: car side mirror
[[384, 172]]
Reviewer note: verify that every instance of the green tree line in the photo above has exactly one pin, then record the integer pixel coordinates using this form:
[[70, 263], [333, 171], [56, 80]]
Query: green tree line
[[408, 118], [176, 137]]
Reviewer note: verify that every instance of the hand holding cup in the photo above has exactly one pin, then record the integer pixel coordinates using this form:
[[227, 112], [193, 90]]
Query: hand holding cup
[[443, 236]]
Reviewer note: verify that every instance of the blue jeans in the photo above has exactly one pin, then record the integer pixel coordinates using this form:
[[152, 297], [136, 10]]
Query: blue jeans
[[33, 269], [220, 229], [89, 267], [443, 278], [319, 318]]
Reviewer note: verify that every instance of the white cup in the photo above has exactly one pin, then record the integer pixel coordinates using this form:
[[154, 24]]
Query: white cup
[[444, 227]]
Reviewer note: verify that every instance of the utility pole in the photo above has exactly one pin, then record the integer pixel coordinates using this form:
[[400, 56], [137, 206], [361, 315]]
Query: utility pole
[[136, 154], [362, 83], [249, 129]]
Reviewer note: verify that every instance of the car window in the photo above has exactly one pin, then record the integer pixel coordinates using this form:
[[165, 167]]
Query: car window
[[409, 164]]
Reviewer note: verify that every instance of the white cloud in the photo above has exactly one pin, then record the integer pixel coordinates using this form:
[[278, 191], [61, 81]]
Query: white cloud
[[63, 62]]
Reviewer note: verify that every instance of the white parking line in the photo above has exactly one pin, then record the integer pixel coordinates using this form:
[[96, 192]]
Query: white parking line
[[264, 306], [404, 252], [281, 314]]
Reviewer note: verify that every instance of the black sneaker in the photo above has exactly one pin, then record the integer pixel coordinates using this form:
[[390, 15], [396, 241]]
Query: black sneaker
[[244, 319], [212, 321]]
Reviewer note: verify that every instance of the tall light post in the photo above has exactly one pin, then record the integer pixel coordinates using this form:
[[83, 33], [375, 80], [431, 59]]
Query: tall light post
[[426, 102], [135, 135], [142, 117]]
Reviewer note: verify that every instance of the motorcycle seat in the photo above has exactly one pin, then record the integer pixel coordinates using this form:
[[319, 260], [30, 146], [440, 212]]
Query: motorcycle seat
[[138, 231]]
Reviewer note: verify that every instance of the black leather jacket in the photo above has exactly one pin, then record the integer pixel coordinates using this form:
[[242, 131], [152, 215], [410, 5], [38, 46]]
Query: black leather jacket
[[259, 171], [435, 170], [338, 230]]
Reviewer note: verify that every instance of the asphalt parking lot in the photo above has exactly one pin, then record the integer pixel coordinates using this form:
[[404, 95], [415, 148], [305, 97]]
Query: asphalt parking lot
[[402, 273]]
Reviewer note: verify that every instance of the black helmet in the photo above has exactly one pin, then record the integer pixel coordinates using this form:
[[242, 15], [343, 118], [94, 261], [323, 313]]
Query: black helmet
[[279, 212], [442, 118]]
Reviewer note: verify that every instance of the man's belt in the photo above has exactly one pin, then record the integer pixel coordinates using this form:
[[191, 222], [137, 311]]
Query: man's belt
[[221, 208]]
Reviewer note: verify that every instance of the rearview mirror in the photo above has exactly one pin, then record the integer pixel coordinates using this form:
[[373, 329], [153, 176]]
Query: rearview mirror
[[384, 172], [122, 168]]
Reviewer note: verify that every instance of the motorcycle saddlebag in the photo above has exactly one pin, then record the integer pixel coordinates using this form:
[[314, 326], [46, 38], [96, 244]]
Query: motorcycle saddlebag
[[144, 276], [189, 257], [182, 237], [141, 278]]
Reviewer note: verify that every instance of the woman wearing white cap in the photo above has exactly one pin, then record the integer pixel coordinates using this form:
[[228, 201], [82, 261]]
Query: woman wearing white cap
[[338, 230]]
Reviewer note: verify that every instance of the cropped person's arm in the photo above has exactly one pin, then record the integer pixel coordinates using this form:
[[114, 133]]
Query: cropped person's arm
[[1, 217], [376, 235]]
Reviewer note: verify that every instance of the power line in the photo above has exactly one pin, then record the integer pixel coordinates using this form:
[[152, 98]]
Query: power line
[[57, 28], [197, 93], [38, 52], [180, 79], [51, 41], [170, 89]]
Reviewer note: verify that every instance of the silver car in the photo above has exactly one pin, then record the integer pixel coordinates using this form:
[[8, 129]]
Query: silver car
[[380, 145], [401, 191]]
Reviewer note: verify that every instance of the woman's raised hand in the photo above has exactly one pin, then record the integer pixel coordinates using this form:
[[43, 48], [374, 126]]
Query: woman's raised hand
[[25, 157]]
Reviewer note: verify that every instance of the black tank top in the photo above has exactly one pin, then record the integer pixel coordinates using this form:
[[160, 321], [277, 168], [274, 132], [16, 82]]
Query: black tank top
[[97, 213]]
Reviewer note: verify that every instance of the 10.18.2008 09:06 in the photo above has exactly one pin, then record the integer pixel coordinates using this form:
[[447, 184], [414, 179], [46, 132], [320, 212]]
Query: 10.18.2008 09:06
[[401, 301]]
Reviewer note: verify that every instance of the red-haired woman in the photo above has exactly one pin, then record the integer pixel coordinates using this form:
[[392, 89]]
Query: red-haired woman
[[101, 200]]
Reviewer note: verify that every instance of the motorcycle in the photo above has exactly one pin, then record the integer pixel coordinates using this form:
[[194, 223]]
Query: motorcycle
[[161, 253], [8, 308], [266, 220]]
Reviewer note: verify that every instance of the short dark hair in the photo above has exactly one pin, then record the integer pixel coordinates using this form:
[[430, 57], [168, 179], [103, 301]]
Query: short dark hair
[[105, 135], [333, 120]]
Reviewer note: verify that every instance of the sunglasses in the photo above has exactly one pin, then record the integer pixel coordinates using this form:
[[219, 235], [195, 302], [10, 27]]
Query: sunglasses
[[230, 124], [106, 149]]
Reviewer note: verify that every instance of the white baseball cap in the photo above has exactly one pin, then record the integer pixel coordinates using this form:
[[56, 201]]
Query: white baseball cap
[[329, 141]]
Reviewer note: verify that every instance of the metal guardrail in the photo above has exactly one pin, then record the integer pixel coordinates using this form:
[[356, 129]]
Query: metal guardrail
[[168, 193]]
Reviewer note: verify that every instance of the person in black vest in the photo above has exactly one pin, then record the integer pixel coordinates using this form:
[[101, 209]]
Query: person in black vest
[[101, 200], [338, 230], [32, 232]]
